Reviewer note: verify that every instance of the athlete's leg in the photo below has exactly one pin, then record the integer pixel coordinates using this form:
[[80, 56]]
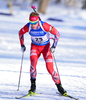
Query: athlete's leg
[[49, 64], [34, 55]]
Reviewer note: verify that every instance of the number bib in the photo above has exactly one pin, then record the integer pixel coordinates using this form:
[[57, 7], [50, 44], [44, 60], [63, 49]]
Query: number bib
[[39, 36], [39, 39]]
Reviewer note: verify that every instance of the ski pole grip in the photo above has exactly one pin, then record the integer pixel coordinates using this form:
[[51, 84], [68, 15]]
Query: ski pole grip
[[33, 7]]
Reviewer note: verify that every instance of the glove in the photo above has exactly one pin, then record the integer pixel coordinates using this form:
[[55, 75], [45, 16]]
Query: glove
[[23, 48], [52, 49]]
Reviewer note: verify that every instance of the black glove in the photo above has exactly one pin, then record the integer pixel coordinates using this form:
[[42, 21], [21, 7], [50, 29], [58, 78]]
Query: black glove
[[52, 49], [23, 48]]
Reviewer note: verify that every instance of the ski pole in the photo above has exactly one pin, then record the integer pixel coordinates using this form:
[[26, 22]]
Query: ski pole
[[34, 8], [20, 70], [55, 61], [56, 65]]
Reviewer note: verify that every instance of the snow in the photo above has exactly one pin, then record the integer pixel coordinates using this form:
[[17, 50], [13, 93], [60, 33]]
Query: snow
[[70, 55]]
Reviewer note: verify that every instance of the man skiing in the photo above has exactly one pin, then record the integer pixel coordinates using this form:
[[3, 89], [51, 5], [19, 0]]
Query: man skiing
[[40, 44]]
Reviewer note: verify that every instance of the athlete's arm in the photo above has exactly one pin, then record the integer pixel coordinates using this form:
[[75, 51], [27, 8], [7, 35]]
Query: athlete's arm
[[49, 28], [21, 34]]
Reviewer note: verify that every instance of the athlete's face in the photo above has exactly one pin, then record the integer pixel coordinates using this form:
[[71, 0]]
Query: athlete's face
[[34, 26]]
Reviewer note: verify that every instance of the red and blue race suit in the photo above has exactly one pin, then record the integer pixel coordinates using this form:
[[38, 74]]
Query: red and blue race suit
[[41, 45]]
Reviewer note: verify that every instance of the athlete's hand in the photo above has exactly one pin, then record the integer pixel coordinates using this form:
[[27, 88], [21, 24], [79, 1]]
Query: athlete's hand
[[23, 48], [52, 49]]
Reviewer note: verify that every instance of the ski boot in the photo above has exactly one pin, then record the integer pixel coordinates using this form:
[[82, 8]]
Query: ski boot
[[33, 87], [61, 89]]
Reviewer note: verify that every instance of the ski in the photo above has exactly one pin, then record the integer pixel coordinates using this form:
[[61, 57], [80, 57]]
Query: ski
[[71, 97], [27, 95]]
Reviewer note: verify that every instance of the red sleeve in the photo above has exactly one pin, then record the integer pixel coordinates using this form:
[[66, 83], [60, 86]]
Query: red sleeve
[[46, 26], [50, 28], [24, 29], [22, 32]]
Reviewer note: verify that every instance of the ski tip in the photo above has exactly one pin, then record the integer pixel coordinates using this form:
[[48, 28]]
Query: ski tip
[[33, 7], [68, 96]]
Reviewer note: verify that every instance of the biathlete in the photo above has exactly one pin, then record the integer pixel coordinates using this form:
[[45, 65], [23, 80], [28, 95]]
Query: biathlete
[[39, 32]]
